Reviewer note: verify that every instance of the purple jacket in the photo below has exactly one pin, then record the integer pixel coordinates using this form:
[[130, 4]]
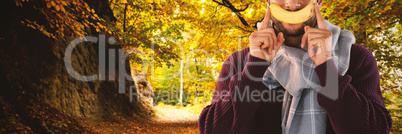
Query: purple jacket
[[359, 108]]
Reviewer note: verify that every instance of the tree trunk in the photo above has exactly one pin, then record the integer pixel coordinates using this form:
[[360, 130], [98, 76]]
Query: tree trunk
[[181, 83]]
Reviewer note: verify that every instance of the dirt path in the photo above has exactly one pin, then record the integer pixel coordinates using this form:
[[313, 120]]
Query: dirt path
[[168, 120], [167, 113]]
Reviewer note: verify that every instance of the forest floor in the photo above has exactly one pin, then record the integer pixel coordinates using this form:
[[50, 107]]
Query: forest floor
[[29, 115], [168, 119]]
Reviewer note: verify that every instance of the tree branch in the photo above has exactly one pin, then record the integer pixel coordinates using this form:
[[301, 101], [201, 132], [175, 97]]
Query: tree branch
[[124, 21], [229, 5]]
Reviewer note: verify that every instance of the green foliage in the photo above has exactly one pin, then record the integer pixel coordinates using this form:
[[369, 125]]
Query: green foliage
[[394, 105], [388, 56], [142, 25], [198, 80], [61, 16]]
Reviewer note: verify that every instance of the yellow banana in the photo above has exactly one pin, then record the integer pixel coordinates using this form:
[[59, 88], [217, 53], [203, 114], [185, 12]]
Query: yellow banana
[[292, 17]]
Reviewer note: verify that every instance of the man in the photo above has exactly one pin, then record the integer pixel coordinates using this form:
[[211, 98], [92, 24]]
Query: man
[[356, 108]]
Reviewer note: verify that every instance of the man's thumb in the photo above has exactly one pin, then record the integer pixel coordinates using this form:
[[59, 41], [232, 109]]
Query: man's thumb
[[280, 39]]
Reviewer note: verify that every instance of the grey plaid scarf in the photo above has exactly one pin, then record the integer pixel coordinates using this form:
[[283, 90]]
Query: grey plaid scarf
[[293, 69]]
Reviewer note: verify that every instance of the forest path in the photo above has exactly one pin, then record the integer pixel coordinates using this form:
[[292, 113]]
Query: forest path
[[167, 113], [168, 120]]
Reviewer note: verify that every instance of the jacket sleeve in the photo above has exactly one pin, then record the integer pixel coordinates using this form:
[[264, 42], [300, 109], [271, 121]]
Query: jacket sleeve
[[359, 107], [231, 110]]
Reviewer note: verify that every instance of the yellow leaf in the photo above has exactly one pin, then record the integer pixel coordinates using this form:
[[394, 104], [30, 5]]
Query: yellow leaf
[[64, 3], [48, 5], [385, 9], [62, 9], [57, 8], [53, 4]]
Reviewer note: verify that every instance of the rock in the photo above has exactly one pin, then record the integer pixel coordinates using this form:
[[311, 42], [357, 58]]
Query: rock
[[36, 62]]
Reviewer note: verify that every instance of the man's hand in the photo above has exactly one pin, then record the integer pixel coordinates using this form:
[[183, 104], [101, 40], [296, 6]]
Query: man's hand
[[263, 43], [319, 40]]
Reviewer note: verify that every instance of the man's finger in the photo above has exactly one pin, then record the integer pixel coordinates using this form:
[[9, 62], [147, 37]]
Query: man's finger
[[320, 20], [305, 37], [265, 45], [316, 35], [265, 22], [269, 41], [317, 30], [311, 51], [271, 45], [317, 40], [280, 39], [273, 39]]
